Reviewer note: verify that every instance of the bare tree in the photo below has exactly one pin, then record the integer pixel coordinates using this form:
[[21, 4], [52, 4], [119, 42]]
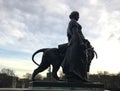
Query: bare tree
[[8, 71], [27, 76]]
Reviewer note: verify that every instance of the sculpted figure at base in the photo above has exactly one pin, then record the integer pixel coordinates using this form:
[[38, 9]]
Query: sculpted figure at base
[[74, 57]]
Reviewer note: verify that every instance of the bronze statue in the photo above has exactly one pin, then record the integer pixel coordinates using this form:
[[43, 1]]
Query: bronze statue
[[75, 64], [74, 57], [55, 56]]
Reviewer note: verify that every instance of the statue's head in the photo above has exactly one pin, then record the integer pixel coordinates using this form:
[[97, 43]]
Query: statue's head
[[74, 15]]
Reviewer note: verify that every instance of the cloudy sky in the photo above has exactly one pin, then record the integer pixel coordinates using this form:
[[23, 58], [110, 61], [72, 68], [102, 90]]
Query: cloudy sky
[[28, 25]]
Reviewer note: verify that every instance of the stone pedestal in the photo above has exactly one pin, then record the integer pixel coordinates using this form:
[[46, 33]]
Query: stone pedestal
[[66, 86], [59, 86]]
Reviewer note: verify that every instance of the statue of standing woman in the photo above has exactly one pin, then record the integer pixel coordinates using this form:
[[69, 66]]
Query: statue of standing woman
[[74, 63]]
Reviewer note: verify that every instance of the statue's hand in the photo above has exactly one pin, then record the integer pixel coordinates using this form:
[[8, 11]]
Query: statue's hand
[[69, 44]]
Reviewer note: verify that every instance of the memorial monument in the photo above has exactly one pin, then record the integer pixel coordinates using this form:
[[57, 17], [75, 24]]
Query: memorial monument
[[74, 57]]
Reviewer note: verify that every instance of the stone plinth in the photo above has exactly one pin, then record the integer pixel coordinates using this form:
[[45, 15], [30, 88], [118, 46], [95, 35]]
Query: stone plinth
[[59, 86], [66, 86]]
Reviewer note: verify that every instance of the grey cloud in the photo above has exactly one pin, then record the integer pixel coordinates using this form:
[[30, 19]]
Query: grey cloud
[[43, 17], [111, 36], [77, 4], [111, 5], [43, 21], [25, 5], [119, 38]]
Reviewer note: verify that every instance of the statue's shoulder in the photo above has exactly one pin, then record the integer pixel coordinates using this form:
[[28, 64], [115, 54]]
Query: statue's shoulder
[[73, 23]]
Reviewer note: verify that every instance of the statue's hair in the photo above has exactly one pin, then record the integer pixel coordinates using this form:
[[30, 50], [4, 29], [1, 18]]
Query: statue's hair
[[73, 14]]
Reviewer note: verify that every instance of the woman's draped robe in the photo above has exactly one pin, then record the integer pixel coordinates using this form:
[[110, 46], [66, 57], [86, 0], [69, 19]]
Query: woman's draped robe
[[73, 62]]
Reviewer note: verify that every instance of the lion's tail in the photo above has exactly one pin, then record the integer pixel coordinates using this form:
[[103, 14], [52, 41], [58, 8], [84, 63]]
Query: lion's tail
[[40, 50], [95, 54]]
